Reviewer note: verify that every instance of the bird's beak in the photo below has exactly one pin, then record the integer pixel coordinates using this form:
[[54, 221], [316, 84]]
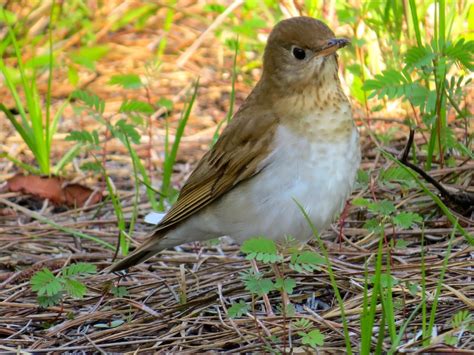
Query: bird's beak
[[332, 46]]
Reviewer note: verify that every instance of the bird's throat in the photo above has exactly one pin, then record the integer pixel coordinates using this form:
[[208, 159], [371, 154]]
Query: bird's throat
[[319, 112]]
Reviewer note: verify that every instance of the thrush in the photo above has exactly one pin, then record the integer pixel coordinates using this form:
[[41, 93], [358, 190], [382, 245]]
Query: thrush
[[292, 139]]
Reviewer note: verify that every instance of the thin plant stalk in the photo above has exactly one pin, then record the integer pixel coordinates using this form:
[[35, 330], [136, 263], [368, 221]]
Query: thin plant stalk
[[230, 113], [434, 306], [368, 316], [170, 155], [347, 338], [136, 197]]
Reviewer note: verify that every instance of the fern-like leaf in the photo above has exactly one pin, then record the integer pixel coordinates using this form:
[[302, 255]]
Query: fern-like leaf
[[261, 249], [136, 106], [123, 128], [84, 137], [419, 57], [75, 288], [461, 52], [79, 269], [91, 100], [127, 81], [390, 83], [306, 261]]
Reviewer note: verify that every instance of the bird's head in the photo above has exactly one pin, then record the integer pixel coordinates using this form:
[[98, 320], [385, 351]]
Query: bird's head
[[301, 51]]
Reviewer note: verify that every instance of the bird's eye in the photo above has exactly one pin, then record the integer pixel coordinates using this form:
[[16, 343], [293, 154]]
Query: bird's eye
[[298, 53]]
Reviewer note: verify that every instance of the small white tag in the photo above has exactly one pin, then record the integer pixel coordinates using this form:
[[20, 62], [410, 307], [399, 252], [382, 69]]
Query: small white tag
[[154, 217]]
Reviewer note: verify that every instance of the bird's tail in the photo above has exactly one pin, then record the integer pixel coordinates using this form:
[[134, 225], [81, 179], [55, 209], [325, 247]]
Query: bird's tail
[[153, 245], [137, 257]]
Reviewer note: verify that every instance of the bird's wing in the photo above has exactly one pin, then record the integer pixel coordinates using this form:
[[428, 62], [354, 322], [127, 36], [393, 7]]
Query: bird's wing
[[236, 156]]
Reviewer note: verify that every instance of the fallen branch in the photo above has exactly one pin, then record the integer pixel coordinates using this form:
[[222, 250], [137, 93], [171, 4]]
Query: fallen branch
[[463, 200]]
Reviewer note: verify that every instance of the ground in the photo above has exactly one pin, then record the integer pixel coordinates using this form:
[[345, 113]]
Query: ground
[[179, 300]]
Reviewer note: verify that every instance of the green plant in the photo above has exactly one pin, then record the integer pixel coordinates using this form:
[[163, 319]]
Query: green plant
[[238, 309], [172, 152], [36, 128], [462, 321], [426, 83], [427, 328], [267, 252], [382, 281], [170, 11], [314, 338], [230, 112], [125, 130], [332, 277], [126, 133], [446, 211], [51, 289], [119, 291]]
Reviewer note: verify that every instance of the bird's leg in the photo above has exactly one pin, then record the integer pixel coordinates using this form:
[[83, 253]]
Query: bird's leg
[[342, 220], [268, 306], [284, 295]]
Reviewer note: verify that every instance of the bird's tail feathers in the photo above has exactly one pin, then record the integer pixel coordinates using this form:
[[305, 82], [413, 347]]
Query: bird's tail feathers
[[151, 247], [133, 259]]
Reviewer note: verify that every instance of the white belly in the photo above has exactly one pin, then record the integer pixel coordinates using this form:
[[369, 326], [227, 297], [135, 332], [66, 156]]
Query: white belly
[[319, 176]]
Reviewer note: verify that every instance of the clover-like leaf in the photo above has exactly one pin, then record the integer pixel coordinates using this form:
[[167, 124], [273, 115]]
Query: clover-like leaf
[[383, 207], [75, 288], [49, 301], [407, 219], [119, 291], [238, 309], [45, 283], [314, 338], [286, 284], [257, 285]]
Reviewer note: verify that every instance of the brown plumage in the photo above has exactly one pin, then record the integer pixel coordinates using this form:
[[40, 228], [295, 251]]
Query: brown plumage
[[243, 149]]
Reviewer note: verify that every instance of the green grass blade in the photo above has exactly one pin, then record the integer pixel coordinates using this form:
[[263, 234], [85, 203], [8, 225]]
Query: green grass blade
[[123, 242], [54, 124], [166, 28], [135, 160], [375, 295], [67, 158], [230, 113], [434, 306], [431, 147], [53, 224], [49, 134], [23, 131], [8, 80], [398, 339], [366, 332], [171, 157], [380, 336], [150, 192], [415, 22], [442, 24], [322, 248], [24, 166], [388, 307], [423, 286], [37, 142]]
